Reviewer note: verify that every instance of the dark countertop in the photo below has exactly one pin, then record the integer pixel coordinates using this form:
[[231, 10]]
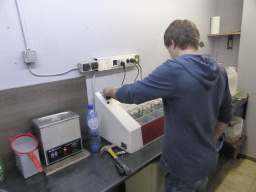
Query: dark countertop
[[94, 173]]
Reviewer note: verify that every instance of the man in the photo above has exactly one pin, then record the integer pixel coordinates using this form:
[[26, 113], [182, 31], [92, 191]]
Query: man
[[197, 107]]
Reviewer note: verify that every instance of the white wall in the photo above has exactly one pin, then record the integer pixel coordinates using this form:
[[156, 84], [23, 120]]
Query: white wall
[[247, 71], [229, 57], [64, 33], [230, 12]]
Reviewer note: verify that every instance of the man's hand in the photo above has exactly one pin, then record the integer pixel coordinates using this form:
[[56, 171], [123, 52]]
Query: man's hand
[[110, 92], [220, 127]]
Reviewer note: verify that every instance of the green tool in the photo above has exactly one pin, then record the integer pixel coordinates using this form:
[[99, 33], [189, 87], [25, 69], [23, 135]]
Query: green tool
[[1, 173]]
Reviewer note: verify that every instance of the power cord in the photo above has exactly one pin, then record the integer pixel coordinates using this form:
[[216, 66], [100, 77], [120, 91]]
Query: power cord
[[21, 24], [93, 87], [123, 64], [140, 71], [93, 82], [50, 75], [137, 73]]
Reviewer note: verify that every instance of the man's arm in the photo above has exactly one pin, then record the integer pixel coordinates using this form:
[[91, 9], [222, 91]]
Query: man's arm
[[225, 112], [220, 127], [161, 83], [110, 92]]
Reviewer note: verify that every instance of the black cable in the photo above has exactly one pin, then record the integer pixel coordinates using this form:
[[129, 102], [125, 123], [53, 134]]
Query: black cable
[[137, 74], [124, 76], [140, 71], [123, 65]]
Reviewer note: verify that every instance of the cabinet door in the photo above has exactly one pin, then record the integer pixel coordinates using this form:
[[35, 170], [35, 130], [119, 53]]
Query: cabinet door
[[157, 177], [141, 181], [149, 179]]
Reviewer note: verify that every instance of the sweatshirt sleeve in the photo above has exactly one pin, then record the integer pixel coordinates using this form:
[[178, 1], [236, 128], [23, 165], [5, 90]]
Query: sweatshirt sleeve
[[159, 84], [225, 111]]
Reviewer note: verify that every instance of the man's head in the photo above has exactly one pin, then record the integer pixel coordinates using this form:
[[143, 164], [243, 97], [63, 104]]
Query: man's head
[[181, 35]]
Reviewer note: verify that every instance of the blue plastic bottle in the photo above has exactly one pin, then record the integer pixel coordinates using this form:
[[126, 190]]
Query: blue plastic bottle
[[93, 130]]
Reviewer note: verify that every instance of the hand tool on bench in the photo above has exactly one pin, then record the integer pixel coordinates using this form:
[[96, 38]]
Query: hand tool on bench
[[121, 167], [120, 152]]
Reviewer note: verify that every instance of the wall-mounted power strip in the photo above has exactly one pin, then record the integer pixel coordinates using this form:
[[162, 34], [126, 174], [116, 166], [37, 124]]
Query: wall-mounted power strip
[[107, 63]]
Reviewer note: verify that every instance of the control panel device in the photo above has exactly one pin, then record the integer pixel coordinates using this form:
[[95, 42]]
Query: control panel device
[[59, 136], [129, 126]]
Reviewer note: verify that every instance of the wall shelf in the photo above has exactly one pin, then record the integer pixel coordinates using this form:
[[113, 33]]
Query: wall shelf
[[221, 34]]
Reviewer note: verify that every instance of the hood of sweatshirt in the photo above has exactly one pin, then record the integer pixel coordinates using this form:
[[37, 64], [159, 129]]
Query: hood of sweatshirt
[[203, 67]]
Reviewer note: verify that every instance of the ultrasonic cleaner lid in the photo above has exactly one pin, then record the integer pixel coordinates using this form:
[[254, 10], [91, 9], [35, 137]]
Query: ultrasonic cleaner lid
[[53, 119]]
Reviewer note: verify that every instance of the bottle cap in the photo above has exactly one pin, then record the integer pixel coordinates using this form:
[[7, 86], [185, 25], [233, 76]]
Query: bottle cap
[[90, 106]]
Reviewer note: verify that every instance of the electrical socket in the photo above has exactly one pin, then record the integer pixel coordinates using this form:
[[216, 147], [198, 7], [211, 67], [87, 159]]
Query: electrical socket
[[107, 63], [84, 67], [104, 64], [94, 65], [88, 66]]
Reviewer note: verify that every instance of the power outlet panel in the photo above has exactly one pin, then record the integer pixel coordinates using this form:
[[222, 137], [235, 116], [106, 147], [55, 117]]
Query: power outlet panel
[[108, 63], [88, 66], [114, 62]]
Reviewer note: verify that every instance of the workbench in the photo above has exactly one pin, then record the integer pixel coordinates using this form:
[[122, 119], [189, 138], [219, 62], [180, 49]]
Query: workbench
[[93, 174]]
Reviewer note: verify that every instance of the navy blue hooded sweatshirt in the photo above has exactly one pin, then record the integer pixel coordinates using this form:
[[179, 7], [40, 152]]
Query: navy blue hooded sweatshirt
[[195, 94]]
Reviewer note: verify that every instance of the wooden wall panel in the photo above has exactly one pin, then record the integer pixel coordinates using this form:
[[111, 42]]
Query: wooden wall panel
[[18, 106]]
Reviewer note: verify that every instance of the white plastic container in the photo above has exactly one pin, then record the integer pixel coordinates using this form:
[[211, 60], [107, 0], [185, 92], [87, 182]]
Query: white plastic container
[[232, 80], [234, 130]]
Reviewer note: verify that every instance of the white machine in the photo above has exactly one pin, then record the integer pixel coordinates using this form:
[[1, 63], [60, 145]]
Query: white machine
[[129, 126]]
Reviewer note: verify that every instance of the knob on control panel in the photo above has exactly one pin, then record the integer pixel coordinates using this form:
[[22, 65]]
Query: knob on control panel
[[74, 146], [54, 154]]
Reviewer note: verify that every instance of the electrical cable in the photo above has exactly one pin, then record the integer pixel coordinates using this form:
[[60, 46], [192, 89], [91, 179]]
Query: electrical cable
[[137, 73], [22, 28], [93, 88], [124, 76], [140, 71], [27, 47], [50, 75]]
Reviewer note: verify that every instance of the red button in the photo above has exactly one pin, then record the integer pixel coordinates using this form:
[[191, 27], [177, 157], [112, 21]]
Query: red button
[[65, 150]]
